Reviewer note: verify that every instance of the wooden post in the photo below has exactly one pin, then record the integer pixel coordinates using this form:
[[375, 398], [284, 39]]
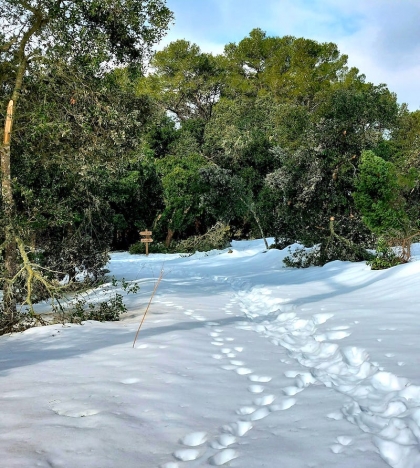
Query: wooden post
[[147, 240]]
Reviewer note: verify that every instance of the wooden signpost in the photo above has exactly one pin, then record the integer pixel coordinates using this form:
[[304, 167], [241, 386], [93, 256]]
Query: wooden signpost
[[147, 239]]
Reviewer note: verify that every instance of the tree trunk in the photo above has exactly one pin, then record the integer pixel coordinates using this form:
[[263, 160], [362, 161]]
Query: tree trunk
[[10, 249], [10, 252], [169, 237], [251, 208]]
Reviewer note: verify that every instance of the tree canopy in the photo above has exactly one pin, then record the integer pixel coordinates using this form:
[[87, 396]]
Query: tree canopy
[[276, 136]]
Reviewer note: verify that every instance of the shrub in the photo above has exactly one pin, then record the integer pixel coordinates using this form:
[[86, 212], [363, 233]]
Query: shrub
[[217, 237], [84, 308], [155, 247], [385, 257]]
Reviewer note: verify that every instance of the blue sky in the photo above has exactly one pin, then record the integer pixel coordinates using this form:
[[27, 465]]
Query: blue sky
[[381, 37]]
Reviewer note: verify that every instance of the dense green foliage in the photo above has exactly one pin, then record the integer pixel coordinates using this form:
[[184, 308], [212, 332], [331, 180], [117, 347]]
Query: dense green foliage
[[76, 123], [274, 137]]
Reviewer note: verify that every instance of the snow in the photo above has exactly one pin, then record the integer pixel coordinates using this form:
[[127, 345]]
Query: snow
[[240, 362]]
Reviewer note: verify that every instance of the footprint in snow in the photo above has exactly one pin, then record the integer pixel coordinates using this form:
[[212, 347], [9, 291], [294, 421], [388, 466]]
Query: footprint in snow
[[292, 374], [291, 391], [217, 356], [283, 405], [229, 367], [336, 416], [387, 382], [259, 378], [256, 388], [74, 410], [264, 400], [187, 454], [344, 440], [332, 335], [237, 363], [259, 414], [194, 439], [245, 410], [223, 441], [130, 381], [239, 428], [223, 457]]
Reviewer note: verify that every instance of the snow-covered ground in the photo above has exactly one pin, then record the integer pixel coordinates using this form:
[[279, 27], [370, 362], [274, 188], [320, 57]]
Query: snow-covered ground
[[240, 362]]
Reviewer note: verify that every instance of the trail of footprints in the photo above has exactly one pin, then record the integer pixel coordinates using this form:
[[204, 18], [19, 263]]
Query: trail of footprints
[[217, 451], [394, 419]]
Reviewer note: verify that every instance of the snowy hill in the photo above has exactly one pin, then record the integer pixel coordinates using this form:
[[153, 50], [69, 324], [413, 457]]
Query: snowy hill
[[240, 362]]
